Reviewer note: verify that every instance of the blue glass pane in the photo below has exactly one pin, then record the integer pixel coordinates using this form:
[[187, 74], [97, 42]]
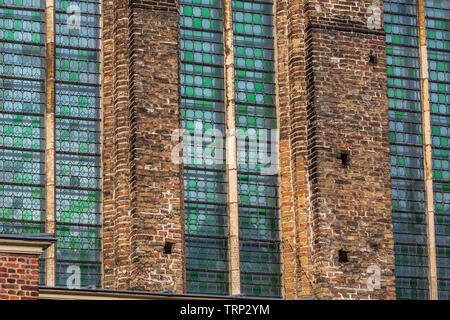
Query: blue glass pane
[[405, 124], [256, 123], [77, 135]]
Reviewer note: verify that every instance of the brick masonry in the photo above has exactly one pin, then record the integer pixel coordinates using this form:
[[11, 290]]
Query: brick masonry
[[143, 193], [19, 276], [332, 100]]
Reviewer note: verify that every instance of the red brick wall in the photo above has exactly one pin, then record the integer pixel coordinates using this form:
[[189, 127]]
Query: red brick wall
[[19, 275]]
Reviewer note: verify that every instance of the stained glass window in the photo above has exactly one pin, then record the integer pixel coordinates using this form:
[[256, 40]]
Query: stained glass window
[[22, 104], [205, 183], [255, 120], [437, 15], [407, 178], [202, 110], [77, 132]]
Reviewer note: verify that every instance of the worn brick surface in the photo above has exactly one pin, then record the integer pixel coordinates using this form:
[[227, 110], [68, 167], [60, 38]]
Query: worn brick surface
[[143, 192], [19, 276], [292, 102], [332, 100]]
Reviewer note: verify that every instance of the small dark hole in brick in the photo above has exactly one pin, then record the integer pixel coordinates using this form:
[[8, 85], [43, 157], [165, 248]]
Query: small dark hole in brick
[[372, 59], [168, 246], [345, 158], [343, 256]]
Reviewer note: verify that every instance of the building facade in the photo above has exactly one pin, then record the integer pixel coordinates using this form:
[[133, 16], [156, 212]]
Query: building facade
[[272, 148]]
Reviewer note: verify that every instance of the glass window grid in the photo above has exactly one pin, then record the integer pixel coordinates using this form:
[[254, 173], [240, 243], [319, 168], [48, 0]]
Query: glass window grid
[[438, 44], [22, 104], [255, 116], [405, 120], [86, 7], [77, 135], [423, 284], [202, 110]]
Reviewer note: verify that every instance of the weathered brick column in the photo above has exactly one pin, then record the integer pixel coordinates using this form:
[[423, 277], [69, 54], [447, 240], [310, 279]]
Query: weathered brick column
[[335, 178], [19, 265], [143, 218]]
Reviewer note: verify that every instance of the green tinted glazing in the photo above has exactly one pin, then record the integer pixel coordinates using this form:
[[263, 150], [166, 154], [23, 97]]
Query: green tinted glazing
[[77, 132], [22, 103], [437, 15], [405, 120], [202, 111], [255, 120]]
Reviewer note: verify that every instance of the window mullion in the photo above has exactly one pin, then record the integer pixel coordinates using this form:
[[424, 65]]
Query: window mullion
[[231, 157]]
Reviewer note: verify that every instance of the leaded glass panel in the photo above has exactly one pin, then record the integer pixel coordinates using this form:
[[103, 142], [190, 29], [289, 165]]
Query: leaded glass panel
[[255, 124], [202, 111], [22, 104], [437, 15], [77, 133], [405, 124]]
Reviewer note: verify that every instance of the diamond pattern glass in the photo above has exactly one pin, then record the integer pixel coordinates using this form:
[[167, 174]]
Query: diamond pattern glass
[[437, 14], [202, 111], [405, 120], [77, 132], [255, 120]]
